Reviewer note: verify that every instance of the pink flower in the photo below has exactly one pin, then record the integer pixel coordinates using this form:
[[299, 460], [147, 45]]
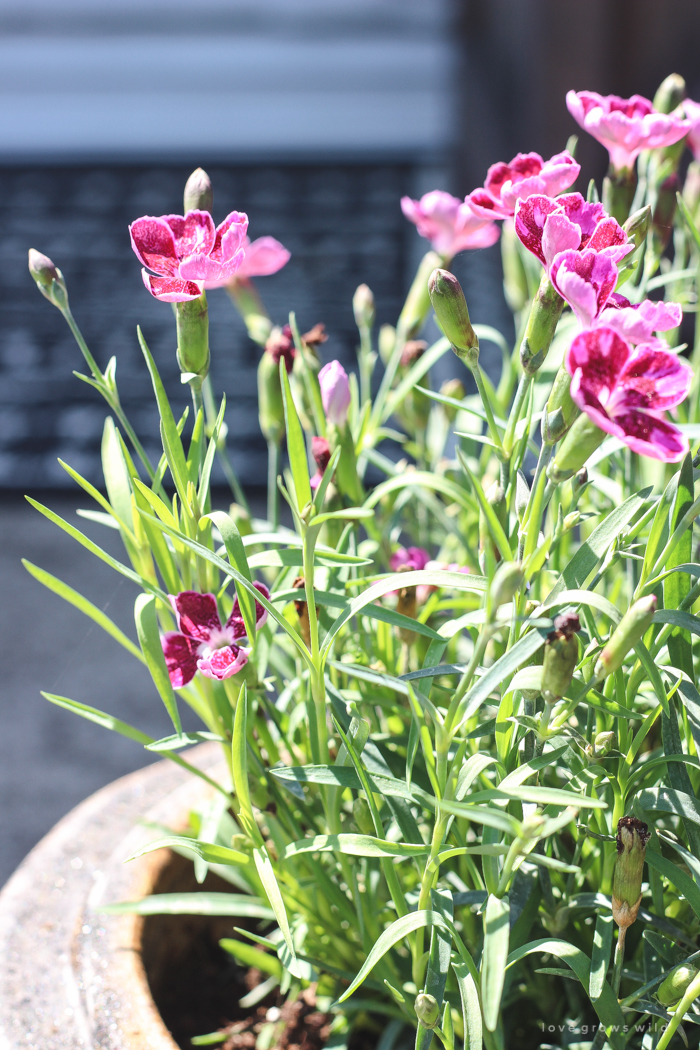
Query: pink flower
[[449, 224], [625, 126], [188, 252], [625, 392], [585, 279], [526, 174], [321, 451], [335, 392], [547, 227], [409, 558], [692, 112], [201, 643], [262, 258], [637, 324]]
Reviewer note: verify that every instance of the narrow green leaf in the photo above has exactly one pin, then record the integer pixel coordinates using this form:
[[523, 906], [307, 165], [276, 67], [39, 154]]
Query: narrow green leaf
[[422, 479], [677, 877], [600, 956], [239, 765], [471, 1009], [210, 454], [202, 903], [685, 212], [439, 958], [493, 961], [493, 524], [85, 606], [208, 851], [345, 776], [670, 800], [505, 666], [274, 895], [237, 557], [173, 743], [652, 672], [172, 444], [250, 956], [151, 646], [577, 597], [355, 846], [296, 446]]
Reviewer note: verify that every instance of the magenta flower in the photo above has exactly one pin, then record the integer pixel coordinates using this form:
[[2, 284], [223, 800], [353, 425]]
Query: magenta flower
[[692, 112], [585, 280], [625, 392], [262, 258], [449, 224], [321, 451], [188, 252], [409, 558], [335, 392], [547, 227], [637, 324], [201, 643], [506, 184], [625, 126]]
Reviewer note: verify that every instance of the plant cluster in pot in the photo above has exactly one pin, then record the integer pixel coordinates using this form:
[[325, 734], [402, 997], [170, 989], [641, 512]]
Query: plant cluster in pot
[[445, 788]]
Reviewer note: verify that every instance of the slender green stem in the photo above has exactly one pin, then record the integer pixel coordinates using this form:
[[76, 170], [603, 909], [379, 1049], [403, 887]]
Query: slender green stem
[[486, 402], [273, 467], [516, 411], [318, 685]]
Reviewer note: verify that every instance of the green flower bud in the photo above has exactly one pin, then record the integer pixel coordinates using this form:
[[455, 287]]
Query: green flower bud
[[362, 816], [427, 1010], [415, 309], [630, 630], [618, 192], [192, 319], [670, 93], [571, 520], [560, 657], [632, 838], [560, 410], [578, 483], [452, 314], [386, 341], [363, 306], [453, 388], [583, 439], [541, 325], [504, 586], [270, 402], [198, 195], [676, 984], [637, 226], [514, 275], [601, 746], [522, 495], [496, 497], [245, 298], [49, 279]]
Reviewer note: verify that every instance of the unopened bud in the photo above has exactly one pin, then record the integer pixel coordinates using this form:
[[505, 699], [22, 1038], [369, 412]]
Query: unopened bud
[[270, 402], [198, 194], [670, 93], [571, 520], [505, 584], [427, 1010], [240, 842], [560, 410], [496, 497], [630, 630], [560, 657], [522, 495], [386, 341], [601, 746], [637, 226], [415, 309], [452, 314], [544, 316], [453, 388], [363, 306], [579, 482], [362, 816], [632, 838], [582, 440], [676, 984], [49, 279]]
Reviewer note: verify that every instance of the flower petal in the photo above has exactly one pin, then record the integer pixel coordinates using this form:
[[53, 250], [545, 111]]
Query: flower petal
[[197, 614], [263, 256], [559, 235], [235, 620], [609, 237], [657, 378], [585, 279], [637, 324], [597, 357], [483, 205], [586, 214], [530, 217], [194, 233], [652, 435], [154, 244], [222, 663], [180, 654], [171, 289]]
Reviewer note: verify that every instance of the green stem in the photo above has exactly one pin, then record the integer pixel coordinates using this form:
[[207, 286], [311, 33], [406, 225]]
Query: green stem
[[485, 400], [273, 466], [318, 685], [516, 411]]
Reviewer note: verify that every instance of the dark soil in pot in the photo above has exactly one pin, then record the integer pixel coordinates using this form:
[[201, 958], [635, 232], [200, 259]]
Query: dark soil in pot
[[197, 986]]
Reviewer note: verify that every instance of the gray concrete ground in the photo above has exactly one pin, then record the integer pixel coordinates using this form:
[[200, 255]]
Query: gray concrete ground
[[49, 758]]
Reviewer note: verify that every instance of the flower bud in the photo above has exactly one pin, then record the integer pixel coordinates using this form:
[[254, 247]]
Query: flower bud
[[386, 341], [582, 440], [49, 279], [270, 402], [335, 392], [571, 520], [670, 93], [506, 581], [192, 322], [630, 630], [522, 495], [363, 307], [362, 816], [453, 388], [427, 1010], [579, 482], [452, 314], [496, 497], [544, 316], [413, 351], [632, 838], [415, 309], [560, 410], [198, 194], [279, 345], [560, 657], [676, 984], [321, 452], [601, 746], [637, 226]]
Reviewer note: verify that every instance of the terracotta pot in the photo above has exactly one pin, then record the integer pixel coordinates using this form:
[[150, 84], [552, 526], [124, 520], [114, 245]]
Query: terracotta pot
[[70, 977]]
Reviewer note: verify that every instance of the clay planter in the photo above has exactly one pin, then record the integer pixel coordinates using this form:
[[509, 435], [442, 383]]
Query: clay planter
[[72, 978]]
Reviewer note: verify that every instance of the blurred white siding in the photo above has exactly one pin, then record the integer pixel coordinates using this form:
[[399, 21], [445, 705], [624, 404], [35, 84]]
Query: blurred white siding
[[239, 77]]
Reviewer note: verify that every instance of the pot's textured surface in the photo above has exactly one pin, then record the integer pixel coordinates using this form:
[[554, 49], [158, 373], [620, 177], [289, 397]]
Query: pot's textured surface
[[69, 977]]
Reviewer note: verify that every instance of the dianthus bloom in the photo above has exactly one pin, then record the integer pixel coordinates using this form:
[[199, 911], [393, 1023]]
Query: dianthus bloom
[[625, 126], [692, 112], [637, 323], [201, 643], [585, 280], [321, 451], [409, 558], [526, 174], [188, 252], [262, 258], [626, 391], [449, 224], [547, 227]]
